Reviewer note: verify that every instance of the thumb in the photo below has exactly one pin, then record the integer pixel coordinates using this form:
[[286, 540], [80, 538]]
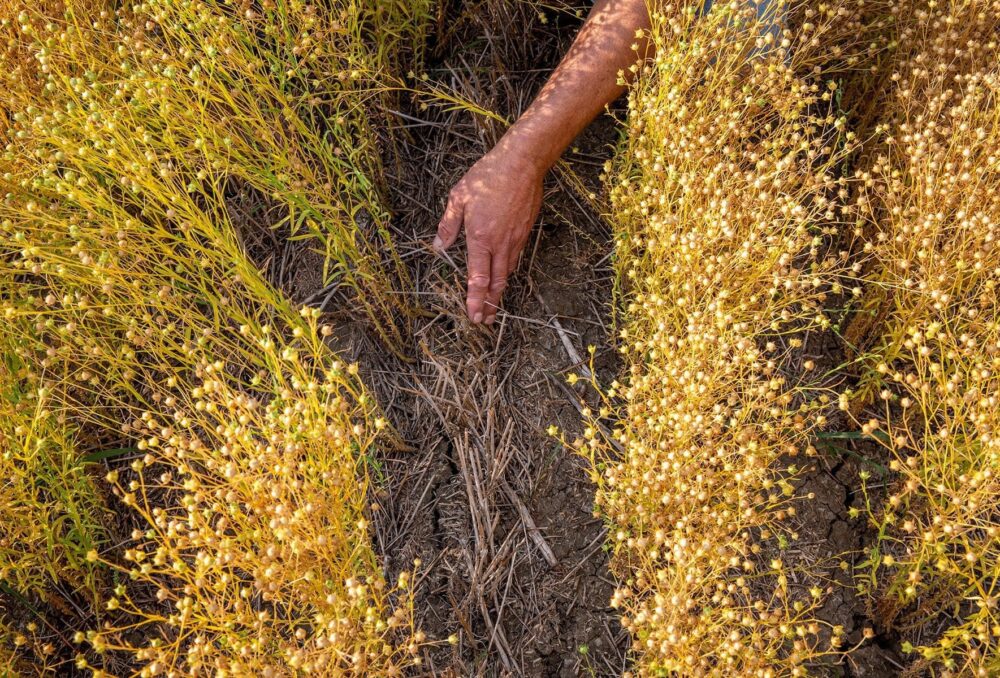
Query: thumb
[[449, 225]]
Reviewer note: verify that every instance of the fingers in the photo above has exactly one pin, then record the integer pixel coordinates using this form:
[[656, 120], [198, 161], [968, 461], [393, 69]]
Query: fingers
[[483, 289], [478, 262], [450, 225], [499, 270]]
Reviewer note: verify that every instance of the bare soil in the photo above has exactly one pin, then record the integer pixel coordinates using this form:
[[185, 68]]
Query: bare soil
[[500, 516]]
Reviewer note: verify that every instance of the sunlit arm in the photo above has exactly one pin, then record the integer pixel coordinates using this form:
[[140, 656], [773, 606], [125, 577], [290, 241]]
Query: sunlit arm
[[498, 199]]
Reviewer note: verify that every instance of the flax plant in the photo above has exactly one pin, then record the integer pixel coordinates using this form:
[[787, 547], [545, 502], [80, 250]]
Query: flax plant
[[729, 206], [931, 209], [277, 96], [243, 472], [16, 645], [248, 434], [53, 513]]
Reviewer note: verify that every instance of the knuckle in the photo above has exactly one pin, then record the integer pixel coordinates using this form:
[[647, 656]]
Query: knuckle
[[478, 282], [483, 234]]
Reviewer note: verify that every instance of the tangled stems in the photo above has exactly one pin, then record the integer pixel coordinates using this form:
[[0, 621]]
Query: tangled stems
[[729, 212], [139, 318], [932, 219], [193, 95]]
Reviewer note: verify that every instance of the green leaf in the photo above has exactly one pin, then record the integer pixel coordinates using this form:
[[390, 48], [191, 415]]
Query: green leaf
[[853, 435], [99, 455]]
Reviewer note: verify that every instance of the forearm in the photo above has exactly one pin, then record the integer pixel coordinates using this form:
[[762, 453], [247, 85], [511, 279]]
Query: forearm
[[498, 199], [584, 83]]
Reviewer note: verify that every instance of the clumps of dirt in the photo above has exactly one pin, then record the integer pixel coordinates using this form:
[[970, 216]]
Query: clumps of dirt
[[830, 536]]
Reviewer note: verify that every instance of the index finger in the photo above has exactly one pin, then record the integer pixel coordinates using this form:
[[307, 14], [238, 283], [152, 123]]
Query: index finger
[[449, 226]]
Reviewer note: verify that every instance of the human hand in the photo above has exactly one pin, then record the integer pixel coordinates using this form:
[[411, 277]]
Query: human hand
[[497, 201]]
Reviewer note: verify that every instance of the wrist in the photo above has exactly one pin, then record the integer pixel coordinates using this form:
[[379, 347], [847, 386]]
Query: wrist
[[525, 154]]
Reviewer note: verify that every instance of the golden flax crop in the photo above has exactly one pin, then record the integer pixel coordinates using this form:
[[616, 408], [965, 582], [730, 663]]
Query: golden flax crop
[[930, 207], [52, 514], [139, 331], [246, 476], [749, 213], [275, 98], [140, 339], [729, 208]]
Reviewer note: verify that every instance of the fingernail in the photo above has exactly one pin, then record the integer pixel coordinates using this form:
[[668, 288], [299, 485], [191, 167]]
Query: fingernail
[[438, 243], [478, 318], [491, 320]]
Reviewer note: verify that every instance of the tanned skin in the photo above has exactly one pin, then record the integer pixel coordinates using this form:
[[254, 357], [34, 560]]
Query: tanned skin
[[498, 199]]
